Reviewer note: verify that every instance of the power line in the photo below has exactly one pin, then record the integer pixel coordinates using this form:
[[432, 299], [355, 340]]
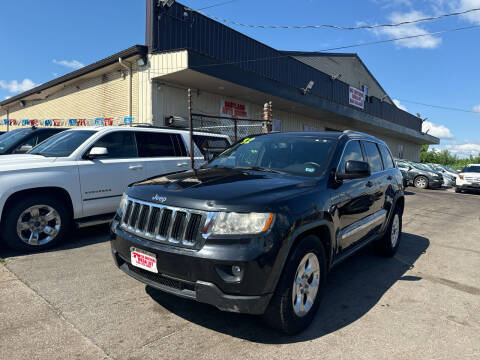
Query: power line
[[336, 27], [218, 4], [439, 106], [402, 38]]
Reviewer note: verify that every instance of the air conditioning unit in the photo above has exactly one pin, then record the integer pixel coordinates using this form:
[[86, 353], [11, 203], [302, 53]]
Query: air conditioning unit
[[176, 121]]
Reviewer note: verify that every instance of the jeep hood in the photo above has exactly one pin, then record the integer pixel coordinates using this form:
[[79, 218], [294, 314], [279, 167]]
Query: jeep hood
[[221, 189]]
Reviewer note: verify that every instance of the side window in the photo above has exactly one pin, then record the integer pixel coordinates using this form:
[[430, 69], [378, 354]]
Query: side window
[[373, 156], [120, 145], [352, 152], [387, 158], [210, 143], [31, 141], [158, 144], [44, 135]]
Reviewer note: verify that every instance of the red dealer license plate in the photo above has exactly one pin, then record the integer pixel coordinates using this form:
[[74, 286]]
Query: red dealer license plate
[[144, 260]]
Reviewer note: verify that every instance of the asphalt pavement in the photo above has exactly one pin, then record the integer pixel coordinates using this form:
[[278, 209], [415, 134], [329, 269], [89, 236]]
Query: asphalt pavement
[[424, 303]]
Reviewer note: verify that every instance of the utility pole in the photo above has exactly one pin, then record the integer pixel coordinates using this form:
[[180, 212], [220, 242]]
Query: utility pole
[[190, 125]]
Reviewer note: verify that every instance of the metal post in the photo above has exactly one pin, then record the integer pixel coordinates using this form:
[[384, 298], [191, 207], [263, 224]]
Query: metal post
[[190, 125], [270, 117], [8, 119], [235, 128]]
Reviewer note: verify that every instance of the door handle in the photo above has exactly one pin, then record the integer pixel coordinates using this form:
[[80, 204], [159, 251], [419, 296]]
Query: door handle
[[369, 184], [182, 164], [135, 167]]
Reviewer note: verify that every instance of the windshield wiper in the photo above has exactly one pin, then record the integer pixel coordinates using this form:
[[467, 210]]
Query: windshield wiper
[[258, 168]]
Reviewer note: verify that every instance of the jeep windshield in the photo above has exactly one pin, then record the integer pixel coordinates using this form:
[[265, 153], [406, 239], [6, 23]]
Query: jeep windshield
[[11, 137], [304, 155], [62, 144]]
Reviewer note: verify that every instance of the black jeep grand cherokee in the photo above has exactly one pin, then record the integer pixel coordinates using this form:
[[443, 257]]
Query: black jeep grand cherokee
[[257, 229]]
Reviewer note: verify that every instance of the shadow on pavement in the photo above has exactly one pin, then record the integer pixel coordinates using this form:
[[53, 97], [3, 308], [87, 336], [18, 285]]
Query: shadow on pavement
[[353, 288], [78, 238]]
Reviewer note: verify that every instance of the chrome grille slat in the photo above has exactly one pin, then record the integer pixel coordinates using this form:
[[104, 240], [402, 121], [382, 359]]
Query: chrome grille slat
[[164, 224]]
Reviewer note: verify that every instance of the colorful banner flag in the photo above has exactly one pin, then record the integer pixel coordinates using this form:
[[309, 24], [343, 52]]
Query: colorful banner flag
[[72, 122], [128, 120]]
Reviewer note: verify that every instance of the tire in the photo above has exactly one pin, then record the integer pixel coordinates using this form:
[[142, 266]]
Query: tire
[[421, 182], [457, 190], [387, 246], [44, 215], [280, 313]]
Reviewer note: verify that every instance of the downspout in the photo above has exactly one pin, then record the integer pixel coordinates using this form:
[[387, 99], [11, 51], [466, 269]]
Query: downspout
[[130, 83], [8, 119]]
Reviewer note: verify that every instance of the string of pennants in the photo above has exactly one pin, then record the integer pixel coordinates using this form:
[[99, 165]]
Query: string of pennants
[[70, 122]]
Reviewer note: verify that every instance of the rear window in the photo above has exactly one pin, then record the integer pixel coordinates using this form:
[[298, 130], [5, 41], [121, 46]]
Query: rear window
[[210, 143], [387, 158], [160, 144], [373, 156]]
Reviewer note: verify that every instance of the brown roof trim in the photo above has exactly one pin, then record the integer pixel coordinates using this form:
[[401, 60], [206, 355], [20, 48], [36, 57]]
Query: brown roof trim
[[131, 51]]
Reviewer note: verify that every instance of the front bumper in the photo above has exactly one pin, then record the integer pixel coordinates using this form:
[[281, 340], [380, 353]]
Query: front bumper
[[199, 275], [435, 183], [468, 186]]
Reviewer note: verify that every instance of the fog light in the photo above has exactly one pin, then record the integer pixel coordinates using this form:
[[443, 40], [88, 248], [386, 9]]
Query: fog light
[[237, 271]]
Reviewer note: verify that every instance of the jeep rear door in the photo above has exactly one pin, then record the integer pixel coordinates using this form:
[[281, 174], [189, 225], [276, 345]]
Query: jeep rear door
[[104, 180]]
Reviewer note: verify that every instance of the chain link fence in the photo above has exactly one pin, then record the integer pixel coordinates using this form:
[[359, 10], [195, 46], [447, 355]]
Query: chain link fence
[[235, 129]]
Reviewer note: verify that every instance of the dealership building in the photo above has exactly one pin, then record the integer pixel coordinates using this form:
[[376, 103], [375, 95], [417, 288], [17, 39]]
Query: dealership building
[[230, 74]]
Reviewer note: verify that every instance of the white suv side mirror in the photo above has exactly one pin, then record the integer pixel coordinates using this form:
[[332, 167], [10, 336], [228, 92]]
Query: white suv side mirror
[[97, 152], [23, 149]]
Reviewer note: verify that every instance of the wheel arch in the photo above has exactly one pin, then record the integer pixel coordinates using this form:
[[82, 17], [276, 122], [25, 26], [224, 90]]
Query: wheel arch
[[49, 190]]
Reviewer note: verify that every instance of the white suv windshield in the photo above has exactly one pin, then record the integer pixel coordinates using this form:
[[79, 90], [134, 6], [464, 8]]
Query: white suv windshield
[[62, 144]]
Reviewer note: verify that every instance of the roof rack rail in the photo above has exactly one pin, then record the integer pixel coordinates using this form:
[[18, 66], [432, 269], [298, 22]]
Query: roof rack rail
[[353, 132]]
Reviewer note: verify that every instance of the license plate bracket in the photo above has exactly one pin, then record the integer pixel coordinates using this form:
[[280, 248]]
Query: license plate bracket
[[143, 260]]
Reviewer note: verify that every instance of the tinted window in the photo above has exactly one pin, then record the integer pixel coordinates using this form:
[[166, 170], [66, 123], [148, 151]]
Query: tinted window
[[471, 169], [62, 144], [45, 134], [210, 143], [402, 165], [157, 144], [387, 158], [120, 145], [352, 152], [299, 155], [373, 156], [10, 138]]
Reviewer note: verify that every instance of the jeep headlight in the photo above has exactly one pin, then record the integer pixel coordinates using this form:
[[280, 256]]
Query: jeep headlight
[[231, 223], [123, 204]]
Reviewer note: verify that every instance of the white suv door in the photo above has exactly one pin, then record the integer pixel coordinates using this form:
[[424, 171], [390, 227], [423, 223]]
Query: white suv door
[[162, 152], [103, 180]]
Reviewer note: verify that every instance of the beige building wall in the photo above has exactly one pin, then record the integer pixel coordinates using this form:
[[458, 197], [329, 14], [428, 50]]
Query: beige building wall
[[105, 95]]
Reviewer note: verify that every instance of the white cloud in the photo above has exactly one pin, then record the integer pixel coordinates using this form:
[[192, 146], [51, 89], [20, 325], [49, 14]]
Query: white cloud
[[473, 17], [7, 97], [423, 42], [73, 64], [14, 86], [464, 150], [399, 105], [439, 131], [476, 108]]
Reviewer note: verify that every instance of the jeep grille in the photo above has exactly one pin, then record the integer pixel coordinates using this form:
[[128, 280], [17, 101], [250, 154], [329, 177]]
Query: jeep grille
[[164, 224]]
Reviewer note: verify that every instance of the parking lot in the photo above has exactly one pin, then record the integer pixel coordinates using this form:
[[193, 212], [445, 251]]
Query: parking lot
[[424, 303]]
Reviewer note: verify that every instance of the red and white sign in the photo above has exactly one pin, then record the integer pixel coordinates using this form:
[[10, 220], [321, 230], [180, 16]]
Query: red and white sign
[[233, 109], [144, 260], [356, 97]]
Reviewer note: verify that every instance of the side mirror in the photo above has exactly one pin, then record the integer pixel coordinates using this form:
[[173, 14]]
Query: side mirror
[[23, 149], [354, 170], [97, 152]]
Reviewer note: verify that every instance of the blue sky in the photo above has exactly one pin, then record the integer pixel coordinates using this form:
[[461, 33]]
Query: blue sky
[[44, 39]]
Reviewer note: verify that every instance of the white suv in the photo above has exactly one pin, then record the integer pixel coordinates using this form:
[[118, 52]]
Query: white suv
[[79, 176], [469, 178]]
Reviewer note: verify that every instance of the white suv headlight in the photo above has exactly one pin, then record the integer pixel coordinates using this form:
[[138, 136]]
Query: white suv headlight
[[232, 223]]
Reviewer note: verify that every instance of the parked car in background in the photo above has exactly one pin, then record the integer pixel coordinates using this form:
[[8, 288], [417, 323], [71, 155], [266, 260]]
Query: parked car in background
[[2, 132], [79, 175], [448, 180], [257, 229], [406, 177], [469, 178], [22, 140], [420, 175]]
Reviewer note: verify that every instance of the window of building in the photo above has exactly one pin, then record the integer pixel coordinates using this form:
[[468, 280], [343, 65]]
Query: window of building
[[373, 156]]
